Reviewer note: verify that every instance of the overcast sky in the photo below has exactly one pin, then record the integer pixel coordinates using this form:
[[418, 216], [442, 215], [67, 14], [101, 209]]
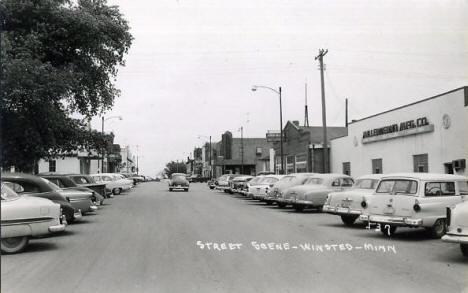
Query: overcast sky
[[192, 64]]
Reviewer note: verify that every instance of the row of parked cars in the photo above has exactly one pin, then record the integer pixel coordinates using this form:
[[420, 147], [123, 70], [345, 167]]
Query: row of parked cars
[[38, 205], [435, 202]]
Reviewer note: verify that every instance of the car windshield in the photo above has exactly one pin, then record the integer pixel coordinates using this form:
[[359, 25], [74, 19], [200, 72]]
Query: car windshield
[[8, 193], [80, 179], [313, 181], [287, 178], [52, 185], [398, 186], [366, 183]]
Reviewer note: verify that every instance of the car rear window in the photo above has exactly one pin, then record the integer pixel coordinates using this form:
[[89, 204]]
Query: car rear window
[[366, 183], [80, 180], [398, 186], [313, 181], [178, 177], [287, 178], [439, 189]]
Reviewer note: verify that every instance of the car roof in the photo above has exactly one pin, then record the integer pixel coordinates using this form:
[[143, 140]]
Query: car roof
[[274, 176], [330, 175], [371, 176], [426, 176]]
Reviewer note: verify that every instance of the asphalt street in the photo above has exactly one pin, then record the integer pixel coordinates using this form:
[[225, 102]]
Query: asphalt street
[[153, 240]]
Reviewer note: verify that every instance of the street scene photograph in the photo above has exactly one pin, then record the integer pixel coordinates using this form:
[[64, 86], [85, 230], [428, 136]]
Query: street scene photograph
[[234, 146]]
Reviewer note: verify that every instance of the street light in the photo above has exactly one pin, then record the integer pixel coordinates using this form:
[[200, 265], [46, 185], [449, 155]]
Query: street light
[[102, 132], [211, 167], [254, 88]]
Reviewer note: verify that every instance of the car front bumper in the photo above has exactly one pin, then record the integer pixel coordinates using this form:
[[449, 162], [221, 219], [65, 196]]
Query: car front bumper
[[57, 228], [452, 238]]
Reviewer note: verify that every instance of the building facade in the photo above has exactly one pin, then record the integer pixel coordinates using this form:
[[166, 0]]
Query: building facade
[[430, 135], [303, 147]]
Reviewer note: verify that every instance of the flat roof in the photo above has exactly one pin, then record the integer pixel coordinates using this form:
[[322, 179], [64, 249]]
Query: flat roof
[[411, 104]]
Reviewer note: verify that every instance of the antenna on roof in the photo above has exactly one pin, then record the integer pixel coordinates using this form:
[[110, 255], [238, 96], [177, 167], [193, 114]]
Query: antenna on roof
[[306, 115]]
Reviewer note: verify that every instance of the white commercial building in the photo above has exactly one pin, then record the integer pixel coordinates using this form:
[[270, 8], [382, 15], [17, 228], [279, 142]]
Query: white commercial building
[[430, 135]]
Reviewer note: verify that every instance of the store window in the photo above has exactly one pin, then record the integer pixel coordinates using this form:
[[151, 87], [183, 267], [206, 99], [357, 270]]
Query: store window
[[290, 164], [377, 166], [421, 163], [52, 165], [347, 168], [258, 151], [301, 163]]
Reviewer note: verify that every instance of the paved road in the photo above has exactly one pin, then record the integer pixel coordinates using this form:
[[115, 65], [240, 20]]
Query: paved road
[[146, 241]]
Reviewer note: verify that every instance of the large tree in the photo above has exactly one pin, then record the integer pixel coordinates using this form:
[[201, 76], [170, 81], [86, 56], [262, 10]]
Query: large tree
[[59, 60], [175, 167]]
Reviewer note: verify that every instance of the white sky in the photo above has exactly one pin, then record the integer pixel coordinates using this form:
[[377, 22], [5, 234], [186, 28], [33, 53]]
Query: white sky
[[192, 65]]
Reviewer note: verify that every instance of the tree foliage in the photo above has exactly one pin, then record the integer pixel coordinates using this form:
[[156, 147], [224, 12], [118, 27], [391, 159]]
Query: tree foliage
[[175, 167], [59, 60]]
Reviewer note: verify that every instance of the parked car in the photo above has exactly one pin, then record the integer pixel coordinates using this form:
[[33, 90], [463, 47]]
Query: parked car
[[65, 182], [116, 184], [25, 216], [314, 192], [457, 222], [236, 184], [179, 181], [198, 178], [414, 200], [349, 204], [276, 194], [25, 184], [88, 181], [259, 189], [224, 181]]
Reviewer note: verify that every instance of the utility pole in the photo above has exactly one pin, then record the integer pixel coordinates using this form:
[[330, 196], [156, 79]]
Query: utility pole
[[211, 167], [306, 116], [281, 133], [103, 149], [242, 149], [346, 112], [137, 159], [325, 168]]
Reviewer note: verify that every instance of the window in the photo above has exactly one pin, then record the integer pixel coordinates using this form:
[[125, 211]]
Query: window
[[336, 182], [347, 182], [347, 168], [366, 183], [313, 181], [258, 151], [463, 186], [52, 165], [440, 188], [57, 182], [421, 163], [398, 186], [377, 166]]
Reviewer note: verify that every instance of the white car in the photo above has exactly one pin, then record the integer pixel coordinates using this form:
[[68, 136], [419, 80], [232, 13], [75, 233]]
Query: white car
[[457, 222], [116, 183], [259, 189], [349, 204], [23, 217], [416, 200]]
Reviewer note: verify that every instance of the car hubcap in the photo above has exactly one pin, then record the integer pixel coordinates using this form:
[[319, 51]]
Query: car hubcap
[[12, 242]]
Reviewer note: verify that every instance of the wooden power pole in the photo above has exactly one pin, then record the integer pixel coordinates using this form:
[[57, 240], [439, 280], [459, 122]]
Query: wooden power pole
[[325, 162]]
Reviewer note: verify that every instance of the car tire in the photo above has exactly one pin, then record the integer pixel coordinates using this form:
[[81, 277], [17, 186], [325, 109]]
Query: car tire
[[348, 220], [186, 189], [281, 205], [464, 249], [116, 191], [388, 230], [438, 229], [14, 244], [170, 189], [299, 208]]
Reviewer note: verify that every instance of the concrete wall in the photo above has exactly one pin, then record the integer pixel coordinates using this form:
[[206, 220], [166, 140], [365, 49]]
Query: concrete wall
[[442, 145]]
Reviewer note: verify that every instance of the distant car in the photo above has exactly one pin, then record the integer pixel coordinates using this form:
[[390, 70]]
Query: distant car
[[65, 182], [277, 192], [25, 216], [179, 181], [259, 188], [25, 184], [224, 181], [314, 192], [457, 222], [349, 204], [116, 183], [237, 183], [414, 200]]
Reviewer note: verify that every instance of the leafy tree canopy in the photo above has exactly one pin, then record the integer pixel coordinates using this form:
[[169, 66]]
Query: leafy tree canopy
[[59, 58], [175, 167]]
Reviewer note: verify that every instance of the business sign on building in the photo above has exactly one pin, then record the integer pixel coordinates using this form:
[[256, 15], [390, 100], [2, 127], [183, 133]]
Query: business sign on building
[[405, 128]]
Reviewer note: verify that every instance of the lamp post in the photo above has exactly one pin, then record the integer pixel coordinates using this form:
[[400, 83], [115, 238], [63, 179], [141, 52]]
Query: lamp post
[[103, 119], [209, 150], [254, 88]]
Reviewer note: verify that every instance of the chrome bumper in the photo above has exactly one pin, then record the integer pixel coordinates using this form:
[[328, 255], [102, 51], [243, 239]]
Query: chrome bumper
[[285, 200], [77, 215], [340, 210], [398, 221], [455, 238], [57, 228]]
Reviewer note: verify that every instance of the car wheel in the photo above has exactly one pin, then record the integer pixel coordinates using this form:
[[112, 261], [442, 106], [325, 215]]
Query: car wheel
[[439, 229], [170, 189], [116, 191], [388, 230], [185, 189], [464, 249], [298, 208], [14, 244], [281, 205], [348, 220]]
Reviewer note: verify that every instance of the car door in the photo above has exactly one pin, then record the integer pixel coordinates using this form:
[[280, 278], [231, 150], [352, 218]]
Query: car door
[[436, 197]]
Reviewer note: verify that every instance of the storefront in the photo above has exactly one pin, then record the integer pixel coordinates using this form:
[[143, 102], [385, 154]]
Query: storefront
[[430, 135]]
